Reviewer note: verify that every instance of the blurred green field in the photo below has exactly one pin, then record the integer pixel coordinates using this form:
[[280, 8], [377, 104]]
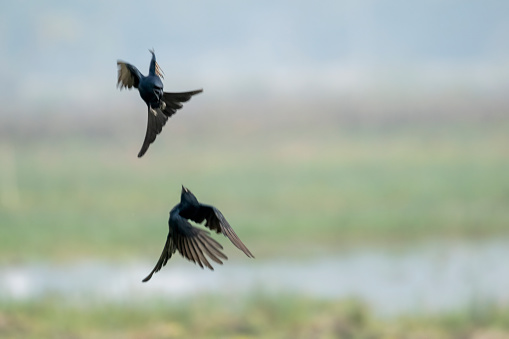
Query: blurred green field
[[286, 192], [260, 316]]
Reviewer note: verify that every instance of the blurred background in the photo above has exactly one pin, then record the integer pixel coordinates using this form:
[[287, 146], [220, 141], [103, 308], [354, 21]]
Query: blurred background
[[360, 149]]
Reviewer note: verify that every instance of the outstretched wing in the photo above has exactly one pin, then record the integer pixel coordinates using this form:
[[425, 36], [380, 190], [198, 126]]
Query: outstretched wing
[[191, 242], [168, 250], [159, 71], [155, 122], [217, 222], [173, 101], [128, 75]]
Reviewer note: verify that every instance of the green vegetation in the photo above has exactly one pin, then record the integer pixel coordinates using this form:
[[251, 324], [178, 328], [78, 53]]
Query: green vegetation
[[257, 317], [311, 190], [286, 192]]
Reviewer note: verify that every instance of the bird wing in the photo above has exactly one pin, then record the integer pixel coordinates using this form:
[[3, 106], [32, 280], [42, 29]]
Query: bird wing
[[191, 242], [174, 101], [128, 75], [168, 250], [159, 71], [155, 122], [217, 222]]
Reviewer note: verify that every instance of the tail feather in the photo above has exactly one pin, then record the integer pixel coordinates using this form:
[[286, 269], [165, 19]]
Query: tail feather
[[157, 117], [156, 121]]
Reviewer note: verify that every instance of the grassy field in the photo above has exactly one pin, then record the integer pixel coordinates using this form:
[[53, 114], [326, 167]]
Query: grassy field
[[285, 192], [258, 317]]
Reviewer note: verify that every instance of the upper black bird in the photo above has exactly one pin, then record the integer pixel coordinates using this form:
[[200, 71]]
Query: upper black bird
[[161, 105], [192, 242]]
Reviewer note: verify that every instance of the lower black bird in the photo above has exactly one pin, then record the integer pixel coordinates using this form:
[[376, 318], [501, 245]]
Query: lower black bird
[[194, 243], [161, 105]]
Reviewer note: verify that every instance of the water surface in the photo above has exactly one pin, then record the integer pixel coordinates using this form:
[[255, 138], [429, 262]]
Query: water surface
[[431, 278]]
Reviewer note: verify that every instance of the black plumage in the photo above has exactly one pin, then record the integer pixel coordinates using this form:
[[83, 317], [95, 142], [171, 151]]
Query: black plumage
[[192, 242], [161, 105]]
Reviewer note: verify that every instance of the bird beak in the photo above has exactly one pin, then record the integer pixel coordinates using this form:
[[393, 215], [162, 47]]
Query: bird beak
[[151, 51], [184, 189]]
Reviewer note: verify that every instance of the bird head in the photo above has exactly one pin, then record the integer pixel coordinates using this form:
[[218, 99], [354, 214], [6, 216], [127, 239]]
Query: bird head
[[187, 196]]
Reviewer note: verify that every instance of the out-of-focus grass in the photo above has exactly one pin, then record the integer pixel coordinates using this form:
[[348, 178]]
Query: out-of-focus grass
[[283, 191], [257, 317]]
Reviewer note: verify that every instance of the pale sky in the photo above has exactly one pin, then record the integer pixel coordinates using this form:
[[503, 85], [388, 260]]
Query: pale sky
[[66, 51]]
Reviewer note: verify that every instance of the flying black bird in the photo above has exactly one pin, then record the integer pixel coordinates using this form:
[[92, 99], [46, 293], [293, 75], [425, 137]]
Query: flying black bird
[[192, 242], [161, 105]]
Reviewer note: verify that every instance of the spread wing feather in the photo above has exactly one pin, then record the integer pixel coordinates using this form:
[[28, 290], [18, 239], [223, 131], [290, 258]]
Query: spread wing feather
[[192, 243], [159, 71], [128, 75], [168, 250], [217, 222], [173, 101]]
